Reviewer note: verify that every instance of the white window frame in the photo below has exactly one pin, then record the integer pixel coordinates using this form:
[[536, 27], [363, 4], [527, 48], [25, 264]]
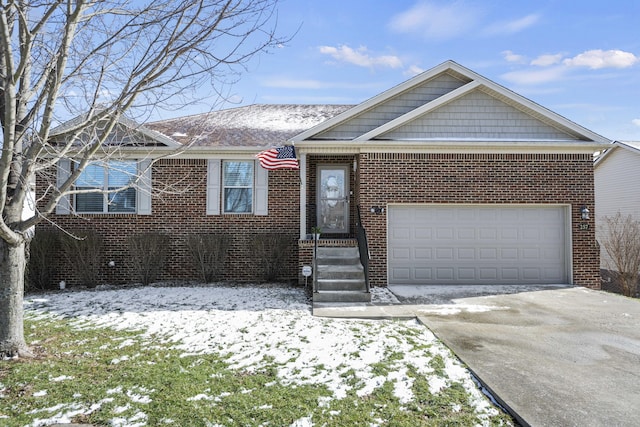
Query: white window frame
[[142, 189], [215, 204], [250, 187]]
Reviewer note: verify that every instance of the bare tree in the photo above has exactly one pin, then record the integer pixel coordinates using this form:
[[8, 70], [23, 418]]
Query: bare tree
[[97, 60], [621, 241]]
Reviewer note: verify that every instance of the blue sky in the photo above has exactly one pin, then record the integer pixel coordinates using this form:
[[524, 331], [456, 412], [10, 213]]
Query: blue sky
[[580, 59]]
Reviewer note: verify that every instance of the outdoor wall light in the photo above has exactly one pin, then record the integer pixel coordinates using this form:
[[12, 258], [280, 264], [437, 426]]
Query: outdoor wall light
[[376, 210], [584, 212]]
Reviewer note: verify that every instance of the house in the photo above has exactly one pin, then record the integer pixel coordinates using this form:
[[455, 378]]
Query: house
[[616, 175], [454, 178]]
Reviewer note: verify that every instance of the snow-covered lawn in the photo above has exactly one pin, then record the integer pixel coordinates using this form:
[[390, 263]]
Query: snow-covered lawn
[[255, 326]]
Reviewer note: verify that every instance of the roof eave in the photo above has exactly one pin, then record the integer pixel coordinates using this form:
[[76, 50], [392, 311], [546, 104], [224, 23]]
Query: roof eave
[[452, 146]]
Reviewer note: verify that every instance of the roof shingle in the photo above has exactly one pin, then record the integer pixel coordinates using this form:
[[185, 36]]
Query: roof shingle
[[254, 125]]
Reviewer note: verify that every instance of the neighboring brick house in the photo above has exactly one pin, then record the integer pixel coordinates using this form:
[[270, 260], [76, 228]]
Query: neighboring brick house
[[457, 180]]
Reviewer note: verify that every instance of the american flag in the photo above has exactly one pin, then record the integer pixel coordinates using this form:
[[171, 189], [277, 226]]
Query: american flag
[[279, 158]]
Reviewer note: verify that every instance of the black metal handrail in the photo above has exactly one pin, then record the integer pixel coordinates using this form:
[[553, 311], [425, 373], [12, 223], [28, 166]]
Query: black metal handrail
[[315, 265], [363, 248]]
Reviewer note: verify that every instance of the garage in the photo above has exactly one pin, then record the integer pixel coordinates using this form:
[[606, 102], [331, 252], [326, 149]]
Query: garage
[[478, 244]]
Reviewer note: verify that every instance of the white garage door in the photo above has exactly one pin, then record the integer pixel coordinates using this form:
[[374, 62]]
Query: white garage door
[[465, 244]]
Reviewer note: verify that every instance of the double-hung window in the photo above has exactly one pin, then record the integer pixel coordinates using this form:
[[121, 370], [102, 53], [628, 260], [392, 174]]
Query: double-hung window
[[113, 182], [237, 186], [237, 180]]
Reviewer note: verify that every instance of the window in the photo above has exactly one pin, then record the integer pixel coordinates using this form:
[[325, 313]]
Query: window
[[237, 179], [237, 186], [107, 177]]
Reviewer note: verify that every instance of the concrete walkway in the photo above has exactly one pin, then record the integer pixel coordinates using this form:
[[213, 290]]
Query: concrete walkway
[[552, 357]]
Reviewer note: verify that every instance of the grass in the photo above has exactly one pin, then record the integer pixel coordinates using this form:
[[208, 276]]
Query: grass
[[107, 377]]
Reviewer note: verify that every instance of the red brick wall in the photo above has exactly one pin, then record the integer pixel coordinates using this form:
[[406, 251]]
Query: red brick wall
[[478, 178], [381, 178], [180, 211]]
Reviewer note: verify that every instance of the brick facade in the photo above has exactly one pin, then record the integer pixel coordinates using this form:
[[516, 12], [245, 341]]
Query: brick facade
[[484, 179], [179, 210], [378, 179]]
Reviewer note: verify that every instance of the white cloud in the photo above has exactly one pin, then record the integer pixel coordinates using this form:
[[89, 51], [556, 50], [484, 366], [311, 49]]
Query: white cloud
[[513, 57], [547, 60], [360, 57], [596, 59], [636, 122], [432, 21], [512, 27], [414, 70], [530, 77]]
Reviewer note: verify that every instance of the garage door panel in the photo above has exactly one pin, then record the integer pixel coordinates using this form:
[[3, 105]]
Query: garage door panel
[[400, 274], [466, 273], [488, 273], [488, 254], [401, 233], [508, 233], [422, 233], [477, 244], [423, 273], [510, 254], [466, 253], [531, 273], [444, 274], [530, 254], [466, 233], [401, 254], [443, 233], [444, 254]]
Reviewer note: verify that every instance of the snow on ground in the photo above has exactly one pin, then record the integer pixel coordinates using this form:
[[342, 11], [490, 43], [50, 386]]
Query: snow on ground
[[251, 325]]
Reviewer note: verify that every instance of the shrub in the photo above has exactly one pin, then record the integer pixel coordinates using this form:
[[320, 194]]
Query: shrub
[[208, 253], [271, 252], [83, 251], [621, 241], [41, 265], [148, 254]]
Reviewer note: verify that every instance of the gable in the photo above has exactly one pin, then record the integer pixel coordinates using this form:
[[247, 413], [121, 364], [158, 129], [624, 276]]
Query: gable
[[451, 103], [477, 115], [395, 107], [126, 133]]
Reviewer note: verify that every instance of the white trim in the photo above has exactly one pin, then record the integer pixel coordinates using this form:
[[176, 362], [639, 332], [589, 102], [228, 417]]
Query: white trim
[[512, 98], [448, 146], [261, 190], [302, 161], [213, 186], [612, 147], [63, 172], [144, 188]]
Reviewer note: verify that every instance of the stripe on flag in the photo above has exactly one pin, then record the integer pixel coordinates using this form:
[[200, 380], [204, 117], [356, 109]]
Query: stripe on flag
[[279, 158]]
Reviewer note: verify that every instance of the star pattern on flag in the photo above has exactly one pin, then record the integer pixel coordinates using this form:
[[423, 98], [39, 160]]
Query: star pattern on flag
[[279, 158]]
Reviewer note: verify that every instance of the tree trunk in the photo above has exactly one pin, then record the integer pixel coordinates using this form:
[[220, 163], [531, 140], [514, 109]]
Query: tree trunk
[[12, 266]]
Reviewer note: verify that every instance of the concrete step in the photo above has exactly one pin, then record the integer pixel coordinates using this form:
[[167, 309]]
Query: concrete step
[[341, 296], [329, 252], [344, 271], [340, 276], [347, 285], [338, 261]]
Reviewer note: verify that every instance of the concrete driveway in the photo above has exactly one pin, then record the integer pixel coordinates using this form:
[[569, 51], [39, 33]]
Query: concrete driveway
[[553, 357]]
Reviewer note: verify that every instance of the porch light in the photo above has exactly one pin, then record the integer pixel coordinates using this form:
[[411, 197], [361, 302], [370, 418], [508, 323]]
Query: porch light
[[376, 210], [584, 211]]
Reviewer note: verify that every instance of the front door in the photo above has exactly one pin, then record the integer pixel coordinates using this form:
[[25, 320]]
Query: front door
[[333, 198]]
